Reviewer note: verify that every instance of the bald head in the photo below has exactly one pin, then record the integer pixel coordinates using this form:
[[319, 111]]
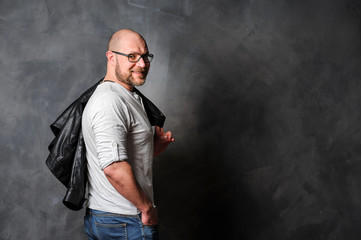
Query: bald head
[[122, 37]]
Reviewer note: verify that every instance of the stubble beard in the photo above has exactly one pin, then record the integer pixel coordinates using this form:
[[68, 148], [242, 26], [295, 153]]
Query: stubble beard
[[127, 77]]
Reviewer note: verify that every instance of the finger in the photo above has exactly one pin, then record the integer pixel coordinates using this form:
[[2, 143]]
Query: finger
[[169, 134], [169, 140], [158, 130]]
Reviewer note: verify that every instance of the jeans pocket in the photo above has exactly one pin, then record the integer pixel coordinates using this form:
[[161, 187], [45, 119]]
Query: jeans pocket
[[151, 232], [107, 231]]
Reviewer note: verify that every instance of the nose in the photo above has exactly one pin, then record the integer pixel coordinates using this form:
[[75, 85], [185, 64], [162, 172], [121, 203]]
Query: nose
[[141, 63]]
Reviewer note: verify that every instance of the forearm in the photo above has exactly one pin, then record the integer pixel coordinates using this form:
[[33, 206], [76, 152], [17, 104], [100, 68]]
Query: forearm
[[121, 176]]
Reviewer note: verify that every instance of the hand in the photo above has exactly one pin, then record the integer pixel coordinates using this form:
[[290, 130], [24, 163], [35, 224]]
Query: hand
[[150, 217], [161, 140]]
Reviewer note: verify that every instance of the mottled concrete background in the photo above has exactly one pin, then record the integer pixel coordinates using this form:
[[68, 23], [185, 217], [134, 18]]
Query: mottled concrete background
[[263, 98]]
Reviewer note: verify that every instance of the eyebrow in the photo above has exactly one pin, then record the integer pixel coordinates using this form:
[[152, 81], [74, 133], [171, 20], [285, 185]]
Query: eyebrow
[[147, 52]]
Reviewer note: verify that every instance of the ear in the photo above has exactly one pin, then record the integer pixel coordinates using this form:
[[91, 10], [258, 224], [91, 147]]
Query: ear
[[110, 57]]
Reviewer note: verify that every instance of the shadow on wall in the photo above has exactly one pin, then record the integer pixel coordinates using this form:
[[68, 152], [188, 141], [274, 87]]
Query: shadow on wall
[[215, 177]]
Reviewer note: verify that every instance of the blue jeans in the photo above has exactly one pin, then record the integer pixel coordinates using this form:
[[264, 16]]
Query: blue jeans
[[104, 225]]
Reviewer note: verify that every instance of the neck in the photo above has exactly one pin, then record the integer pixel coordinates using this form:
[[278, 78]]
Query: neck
[[114, 79]]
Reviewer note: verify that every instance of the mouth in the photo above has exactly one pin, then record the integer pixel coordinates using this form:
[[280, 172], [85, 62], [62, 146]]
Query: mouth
[[139, 73]]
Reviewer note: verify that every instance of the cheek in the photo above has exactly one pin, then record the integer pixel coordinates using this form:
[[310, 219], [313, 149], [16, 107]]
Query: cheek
[[146, 68], [124, 66]]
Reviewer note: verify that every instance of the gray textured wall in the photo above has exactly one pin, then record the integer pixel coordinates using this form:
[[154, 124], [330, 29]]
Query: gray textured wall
[[263, 98]]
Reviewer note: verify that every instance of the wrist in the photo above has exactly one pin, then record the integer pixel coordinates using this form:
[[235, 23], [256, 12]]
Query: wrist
[[147, 208]]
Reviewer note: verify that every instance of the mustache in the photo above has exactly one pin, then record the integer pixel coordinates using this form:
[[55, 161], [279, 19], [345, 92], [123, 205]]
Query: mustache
[[137, 69]]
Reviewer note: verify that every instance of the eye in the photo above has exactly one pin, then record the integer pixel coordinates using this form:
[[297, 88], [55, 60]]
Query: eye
[[132, 56]]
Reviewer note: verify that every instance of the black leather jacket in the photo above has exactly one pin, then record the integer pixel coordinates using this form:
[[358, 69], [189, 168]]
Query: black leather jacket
[[67, 160]]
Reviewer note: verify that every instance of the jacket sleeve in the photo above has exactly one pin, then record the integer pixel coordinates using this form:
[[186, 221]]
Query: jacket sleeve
[[75, 192]]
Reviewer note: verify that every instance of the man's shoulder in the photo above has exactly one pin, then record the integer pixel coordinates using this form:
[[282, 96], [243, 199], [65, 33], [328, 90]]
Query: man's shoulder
[[106, 99], [105, 93]]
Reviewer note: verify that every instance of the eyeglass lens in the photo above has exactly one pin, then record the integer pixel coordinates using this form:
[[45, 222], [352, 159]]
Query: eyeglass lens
[[136, 58]]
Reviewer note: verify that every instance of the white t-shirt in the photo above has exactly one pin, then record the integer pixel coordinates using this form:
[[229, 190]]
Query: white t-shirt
[[115, 127]]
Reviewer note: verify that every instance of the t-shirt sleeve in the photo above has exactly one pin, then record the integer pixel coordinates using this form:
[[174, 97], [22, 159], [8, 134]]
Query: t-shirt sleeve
[[110, 125]]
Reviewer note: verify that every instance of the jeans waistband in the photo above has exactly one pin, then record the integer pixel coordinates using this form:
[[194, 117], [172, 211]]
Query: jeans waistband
[[109, 214]]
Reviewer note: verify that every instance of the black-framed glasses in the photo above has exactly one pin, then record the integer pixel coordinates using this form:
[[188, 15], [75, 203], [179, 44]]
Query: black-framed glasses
[[135, 57]]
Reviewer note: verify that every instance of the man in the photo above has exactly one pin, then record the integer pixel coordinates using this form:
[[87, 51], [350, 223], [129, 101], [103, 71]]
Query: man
[[120, 146]]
